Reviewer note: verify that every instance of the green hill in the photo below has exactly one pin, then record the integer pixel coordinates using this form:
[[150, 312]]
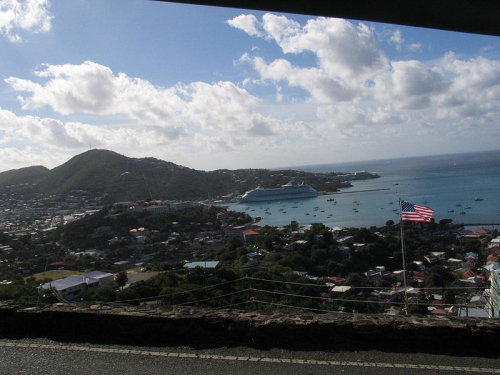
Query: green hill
[[104, 172], [120, 178], [23, 175]]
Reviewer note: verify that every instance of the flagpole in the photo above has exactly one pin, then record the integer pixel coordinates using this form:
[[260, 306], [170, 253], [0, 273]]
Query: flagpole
[[407, 309]]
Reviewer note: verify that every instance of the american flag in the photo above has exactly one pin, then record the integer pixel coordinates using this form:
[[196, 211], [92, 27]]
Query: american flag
[[414, 213]]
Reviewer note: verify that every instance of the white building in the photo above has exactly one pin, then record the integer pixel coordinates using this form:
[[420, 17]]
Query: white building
[[73, 288]]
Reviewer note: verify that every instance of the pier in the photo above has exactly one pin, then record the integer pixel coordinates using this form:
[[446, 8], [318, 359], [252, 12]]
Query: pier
[[480, 225], [358, 191]]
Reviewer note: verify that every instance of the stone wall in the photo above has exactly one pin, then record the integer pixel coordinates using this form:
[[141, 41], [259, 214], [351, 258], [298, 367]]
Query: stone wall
[[203, 328]]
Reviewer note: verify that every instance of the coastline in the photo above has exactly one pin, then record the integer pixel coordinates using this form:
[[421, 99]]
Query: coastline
[[441, 184]]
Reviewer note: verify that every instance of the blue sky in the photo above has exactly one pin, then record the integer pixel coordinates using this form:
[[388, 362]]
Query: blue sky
[[212, 88]]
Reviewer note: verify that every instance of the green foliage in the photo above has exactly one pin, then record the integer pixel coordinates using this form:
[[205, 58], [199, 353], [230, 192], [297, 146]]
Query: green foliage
[[22, 175], [104, 294], [121, 278], [438, 276], [128, 295]]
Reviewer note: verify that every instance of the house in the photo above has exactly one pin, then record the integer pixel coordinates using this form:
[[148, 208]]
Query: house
[[495, 250], [249, 236], [334, 279], [373, 276], [341, 289], [454, 264], [300, 244], [73, 288], [388, 295], [439, 255], [213, 264], [139, 232], [253, 255], [482, 232], [399, 274], [231, 231], [495, 242]]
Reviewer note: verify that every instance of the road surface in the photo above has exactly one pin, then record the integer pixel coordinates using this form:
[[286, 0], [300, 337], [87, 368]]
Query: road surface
[[42, 356]]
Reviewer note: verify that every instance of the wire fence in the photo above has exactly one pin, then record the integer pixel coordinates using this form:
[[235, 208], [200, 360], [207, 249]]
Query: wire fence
[[250, 293]]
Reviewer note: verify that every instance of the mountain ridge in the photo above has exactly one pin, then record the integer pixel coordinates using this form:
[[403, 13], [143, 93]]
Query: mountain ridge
[[118, 177], [115, 177]]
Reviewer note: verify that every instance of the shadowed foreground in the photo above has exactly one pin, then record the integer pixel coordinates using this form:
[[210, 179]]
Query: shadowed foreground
[[203, 328]]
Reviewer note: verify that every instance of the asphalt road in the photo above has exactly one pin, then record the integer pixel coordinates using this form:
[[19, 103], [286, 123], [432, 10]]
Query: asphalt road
[[41, 356]]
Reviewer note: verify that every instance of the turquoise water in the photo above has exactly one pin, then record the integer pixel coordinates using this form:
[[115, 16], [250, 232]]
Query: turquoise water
[[443, 182]]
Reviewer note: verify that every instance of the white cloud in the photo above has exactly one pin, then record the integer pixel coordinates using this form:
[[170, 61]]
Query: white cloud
[[246, 22], [347, 56], [27, 15], [328, 86], [220, 112], [15, 158], [410, 85], [415, 47], [396, 39]]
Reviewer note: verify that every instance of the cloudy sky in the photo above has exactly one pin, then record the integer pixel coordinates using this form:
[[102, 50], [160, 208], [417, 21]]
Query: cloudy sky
[[212, 88]]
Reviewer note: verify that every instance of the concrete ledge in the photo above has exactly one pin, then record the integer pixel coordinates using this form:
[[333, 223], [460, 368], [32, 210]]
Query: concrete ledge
[[203, 328]]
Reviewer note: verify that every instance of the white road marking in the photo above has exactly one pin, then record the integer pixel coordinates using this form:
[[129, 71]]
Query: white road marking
[[485, 370]]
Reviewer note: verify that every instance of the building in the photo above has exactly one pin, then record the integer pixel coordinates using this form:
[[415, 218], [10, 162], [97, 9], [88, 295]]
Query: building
[[213, 264], [73, 288], [250, 235]]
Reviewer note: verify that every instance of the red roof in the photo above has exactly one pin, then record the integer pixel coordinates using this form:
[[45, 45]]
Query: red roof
[[250, 232], [482, 231], [334, 279], [495, 250]]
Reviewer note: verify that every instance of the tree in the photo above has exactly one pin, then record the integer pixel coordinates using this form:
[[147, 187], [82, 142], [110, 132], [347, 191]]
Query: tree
[[121, 278], [444, 222], [355, 279]]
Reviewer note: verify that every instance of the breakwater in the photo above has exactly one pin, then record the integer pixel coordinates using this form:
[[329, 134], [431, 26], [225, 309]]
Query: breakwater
[[358, 191], [203, 328]]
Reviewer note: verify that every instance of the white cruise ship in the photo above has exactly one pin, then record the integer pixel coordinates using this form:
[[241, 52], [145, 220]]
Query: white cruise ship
[[288, 191]]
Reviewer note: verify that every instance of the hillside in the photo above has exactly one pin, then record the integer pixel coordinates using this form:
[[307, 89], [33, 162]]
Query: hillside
[[120, 178], [23, 175], [123, 178]]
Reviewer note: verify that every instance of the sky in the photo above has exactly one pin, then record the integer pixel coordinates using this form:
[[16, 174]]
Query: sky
[[217, 88]]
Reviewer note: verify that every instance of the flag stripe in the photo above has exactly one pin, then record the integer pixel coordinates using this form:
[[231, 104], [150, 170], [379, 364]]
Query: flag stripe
[[415, 213]]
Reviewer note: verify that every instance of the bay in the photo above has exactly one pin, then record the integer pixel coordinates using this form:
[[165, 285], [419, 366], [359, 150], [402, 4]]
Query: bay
[[449, 184]]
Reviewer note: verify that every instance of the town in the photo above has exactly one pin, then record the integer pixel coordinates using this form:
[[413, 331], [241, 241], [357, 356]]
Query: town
[[70, 248]]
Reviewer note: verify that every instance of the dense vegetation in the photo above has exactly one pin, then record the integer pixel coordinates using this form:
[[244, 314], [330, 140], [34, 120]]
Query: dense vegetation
[[273, 277]]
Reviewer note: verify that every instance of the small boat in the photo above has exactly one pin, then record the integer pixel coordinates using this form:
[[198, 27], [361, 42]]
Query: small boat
[[477, 199], [451, 210]]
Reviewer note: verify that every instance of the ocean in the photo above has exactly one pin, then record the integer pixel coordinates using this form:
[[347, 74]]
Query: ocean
[[449, 184]]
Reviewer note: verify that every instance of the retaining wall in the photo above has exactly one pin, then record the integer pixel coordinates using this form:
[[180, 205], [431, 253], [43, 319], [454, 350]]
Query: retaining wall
[[202, 328]]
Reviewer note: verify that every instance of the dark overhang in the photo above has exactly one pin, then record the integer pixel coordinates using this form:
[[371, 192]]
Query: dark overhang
[[471, 16]]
